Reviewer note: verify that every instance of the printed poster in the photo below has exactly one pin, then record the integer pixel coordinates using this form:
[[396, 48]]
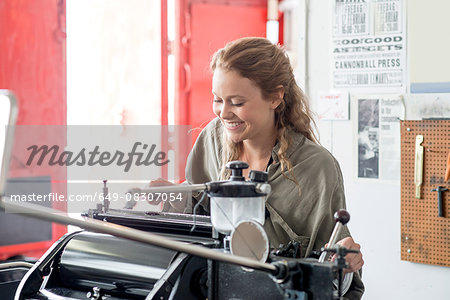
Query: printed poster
[[369, 44]]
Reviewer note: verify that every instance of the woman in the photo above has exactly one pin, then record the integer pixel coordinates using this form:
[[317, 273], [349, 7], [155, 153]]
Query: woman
[[263, 119]]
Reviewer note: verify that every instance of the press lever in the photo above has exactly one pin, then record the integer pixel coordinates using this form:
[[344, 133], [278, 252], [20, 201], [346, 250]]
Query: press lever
[[341, 217]]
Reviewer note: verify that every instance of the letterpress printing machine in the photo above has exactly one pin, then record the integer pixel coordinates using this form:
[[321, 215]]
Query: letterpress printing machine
[[124, 254], [193, 264]]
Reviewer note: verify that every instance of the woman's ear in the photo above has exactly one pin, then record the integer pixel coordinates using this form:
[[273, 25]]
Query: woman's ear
[[278, 97]]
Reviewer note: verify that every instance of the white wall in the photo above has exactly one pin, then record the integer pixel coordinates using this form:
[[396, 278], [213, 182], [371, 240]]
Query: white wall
[[113, 62], [374, 207], [113, 75]]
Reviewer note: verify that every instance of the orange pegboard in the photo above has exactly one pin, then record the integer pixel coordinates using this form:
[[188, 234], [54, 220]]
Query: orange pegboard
[[425, 235]]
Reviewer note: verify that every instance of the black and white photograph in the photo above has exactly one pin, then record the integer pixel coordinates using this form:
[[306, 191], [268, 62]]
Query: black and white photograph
[[368, 138]]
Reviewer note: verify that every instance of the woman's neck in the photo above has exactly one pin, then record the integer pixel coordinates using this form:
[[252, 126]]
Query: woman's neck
[[257, 154]]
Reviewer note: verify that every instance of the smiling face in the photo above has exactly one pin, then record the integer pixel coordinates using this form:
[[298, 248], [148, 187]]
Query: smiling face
[[239, 104]]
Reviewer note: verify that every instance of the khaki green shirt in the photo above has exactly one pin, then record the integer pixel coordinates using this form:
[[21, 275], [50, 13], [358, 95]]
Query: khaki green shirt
[[306, 215]]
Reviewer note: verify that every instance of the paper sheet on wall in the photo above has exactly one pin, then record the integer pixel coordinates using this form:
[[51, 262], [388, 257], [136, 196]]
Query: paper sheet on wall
[[427, 106], [369, 47], [333, 105], [378, 135]]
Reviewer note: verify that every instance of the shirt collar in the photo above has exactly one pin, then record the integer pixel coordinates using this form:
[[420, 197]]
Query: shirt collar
[[297, 140]]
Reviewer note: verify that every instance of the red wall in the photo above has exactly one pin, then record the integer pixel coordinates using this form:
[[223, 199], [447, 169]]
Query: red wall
[[33, 66]]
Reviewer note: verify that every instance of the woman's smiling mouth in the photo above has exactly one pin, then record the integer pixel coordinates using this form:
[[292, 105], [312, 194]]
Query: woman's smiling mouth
[[233, 125]]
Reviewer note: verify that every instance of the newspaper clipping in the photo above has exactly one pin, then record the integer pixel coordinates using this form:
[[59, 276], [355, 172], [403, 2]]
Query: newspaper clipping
[[368, 44], [378, 139]]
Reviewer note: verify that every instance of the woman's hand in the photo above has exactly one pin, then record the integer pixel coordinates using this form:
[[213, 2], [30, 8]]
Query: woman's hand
[[354, 260], [178, 203], [154, 183]]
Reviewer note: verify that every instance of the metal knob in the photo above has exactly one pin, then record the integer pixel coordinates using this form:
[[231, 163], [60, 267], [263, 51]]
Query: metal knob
[[258, 176], [342, 216], [236, 168]]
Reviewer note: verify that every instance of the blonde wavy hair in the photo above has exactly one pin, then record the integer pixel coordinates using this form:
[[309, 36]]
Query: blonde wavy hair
[[268, 66]]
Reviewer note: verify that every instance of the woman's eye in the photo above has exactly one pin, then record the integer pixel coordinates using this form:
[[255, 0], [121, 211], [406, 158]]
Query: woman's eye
[[230, 102]]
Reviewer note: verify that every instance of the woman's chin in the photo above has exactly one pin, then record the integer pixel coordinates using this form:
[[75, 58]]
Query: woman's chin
[[234, 138]]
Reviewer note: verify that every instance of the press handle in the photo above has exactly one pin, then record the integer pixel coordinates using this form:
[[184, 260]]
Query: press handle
[[341, 217]]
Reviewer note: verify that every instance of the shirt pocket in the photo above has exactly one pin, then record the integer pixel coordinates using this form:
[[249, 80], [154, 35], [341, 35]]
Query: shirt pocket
[[291, 234], [304, 243]]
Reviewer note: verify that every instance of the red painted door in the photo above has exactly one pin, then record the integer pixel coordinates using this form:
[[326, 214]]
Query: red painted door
[[203, 27], [206, 26]]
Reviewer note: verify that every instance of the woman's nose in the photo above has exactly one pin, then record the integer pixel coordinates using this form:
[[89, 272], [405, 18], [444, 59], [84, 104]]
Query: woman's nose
[[226, 112]]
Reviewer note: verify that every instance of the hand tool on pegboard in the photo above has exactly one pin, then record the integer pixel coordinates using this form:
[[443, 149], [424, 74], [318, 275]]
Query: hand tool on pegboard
[[440, 190], [447, 173], [418, 165]]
